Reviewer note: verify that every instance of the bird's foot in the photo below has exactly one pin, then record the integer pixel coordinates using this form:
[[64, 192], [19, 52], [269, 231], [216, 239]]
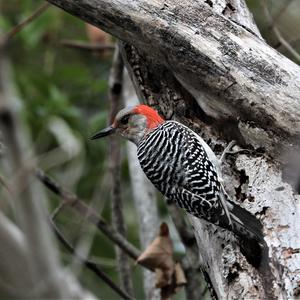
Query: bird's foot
[[227, 150]]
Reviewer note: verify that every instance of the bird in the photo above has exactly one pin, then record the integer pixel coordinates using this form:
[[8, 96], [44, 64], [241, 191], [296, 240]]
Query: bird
[[183, 167]]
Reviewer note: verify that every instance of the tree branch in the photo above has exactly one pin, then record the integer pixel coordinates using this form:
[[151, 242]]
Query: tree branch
[[276, 31], [9, 35], [89, 264], [244, 78], [281, 11], [86, 212], [191, 265], [87, 46]]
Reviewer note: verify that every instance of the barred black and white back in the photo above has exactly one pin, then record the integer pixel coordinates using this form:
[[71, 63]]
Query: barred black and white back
[[175, 161], [184, 169]]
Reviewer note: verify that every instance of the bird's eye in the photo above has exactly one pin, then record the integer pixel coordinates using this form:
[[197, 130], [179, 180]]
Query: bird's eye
[[125, 120]]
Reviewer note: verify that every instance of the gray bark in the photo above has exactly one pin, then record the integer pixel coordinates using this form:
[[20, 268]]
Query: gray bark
[[204, 63]]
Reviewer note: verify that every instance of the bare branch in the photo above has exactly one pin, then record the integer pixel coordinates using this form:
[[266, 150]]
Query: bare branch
[[86, 212], [291, 42], [283, 9], [191, 265], [116, 85], [9, 35], [278, 34], [89, 264], [87, 46], [218, 62], [57, 210]]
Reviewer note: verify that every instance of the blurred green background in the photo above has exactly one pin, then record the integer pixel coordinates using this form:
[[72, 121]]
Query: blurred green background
[[63, 92]]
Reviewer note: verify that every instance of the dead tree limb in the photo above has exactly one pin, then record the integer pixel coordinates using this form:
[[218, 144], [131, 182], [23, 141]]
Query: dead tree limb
[[87, 46], [277, 32], [145, 202], [206, 51], [9, 35]]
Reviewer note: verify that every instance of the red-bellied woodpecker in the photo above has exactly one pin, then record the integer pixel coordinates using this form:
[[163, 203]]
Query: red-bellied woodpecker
[[185, 170]]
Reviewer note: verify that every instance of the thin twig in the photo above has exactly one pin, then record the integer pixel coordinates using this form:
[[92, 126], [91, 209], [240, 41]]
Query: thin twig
[[280, 38], [87, 46], [295, 251], [291, 42], [57, 210], [5, 185], [83, 210], [89, 264], [280, 13], [9, 35], [116, 84]]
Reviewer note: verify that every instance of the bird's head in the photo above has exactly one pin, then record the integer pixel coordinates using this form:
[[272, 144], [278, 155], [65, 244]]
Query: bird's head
[[133, 123]]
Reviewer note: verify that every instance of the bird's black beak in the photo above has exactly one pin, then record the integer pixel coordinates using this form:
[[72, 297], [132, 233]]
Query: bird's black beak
[[104, 132]]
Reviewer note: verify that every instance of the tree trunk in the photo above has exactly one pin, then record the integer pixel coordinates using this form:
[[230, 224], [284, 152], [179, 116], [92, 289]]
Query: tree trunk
[[205, 64]]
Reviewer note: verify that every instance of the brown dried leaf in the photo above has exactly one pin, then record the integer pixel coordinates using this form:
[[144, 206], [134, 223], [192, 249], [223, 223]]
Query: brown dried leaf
[[179, 276], [159, 257], [162, 278], [159, 254]]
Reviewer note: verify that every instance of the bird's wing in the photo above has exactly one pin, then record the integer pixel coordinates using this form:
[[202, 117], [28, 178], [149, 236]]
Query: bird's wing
[[211, 155], [211, 211], [216, 164]]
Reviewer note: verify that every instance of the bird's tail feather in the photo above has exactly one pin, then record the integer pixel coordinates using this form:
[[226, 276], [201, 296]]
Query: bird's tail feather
[[250, 232]]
